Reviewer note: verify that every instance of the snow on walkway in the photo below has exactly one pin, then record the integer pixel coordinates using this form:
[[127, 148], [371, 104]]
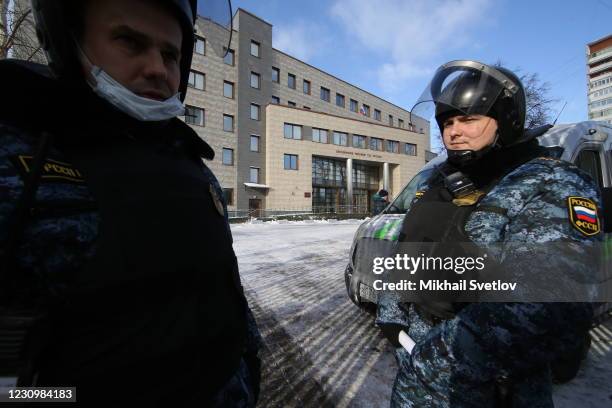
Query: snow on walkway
[[321, 350]]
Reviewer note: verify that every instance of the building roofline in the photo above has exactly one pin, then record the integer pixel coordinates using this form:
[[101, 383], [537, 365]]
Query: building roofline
[[215, 23], [347, 83], [607, 37], [312, 66], [252, 15], [344, 117]]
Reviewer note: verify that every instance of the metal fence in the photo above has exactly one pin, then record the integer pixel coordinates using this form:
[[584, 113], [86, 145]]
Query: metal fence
[[339, 211]]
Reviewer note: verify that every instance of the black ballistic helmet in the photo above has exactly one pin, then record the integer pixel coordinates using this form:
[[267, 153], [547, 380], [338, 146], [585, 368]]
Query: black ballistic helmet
[[58, 22], [469, 87]]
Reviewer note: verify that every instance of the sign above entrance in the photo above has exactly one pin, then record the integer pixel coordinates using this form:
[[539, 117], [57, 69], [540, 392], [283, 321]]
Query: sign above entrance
[[359, 154]]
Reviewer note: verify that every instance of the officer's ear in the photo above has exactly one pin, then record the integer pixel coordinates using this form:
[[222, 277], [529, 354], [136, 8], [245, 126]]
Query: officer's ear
[[606, 198]]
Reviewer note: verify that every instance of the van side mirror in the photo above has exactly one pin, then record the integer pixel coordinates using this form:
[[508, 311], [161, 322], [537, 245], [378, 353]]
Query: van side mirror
[[606, 199]]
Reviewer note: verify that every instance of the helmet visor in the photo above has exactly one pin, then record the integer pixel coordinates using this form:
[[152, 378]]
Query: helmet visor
[[218, 35], [462, 88]]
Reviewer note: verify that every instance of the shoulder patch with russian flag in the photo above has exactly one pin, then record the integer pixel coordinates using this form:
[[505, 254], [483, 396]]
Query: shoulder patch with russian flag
[[583, 215]]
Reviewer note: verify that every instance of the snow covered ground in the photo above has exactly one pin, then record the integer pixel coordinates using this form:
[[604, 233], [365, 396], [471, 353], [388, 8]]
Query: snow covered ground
[[321, 350]]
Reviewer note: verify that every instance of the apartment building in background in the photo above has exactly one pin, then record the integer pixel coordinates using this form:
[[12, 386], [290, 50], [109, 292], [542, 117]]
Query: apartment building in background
[[599, 77], [288, 135]]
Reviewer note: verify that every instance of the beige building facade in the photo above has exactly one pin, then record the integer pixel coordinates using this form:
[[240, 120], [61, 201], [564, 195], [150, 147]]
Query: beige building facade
[[365, 157], [240, 103]]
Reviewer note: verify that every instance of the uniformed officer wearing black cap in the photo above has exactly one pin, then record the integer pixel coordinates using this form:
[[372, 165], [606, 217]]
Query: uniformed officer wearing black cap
[[118, 273]]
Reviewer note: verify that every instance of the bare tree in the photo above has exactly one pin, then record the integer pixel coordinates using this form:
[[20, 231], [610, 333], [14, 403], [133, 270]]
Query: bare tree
[[18, 32], [539, 101]]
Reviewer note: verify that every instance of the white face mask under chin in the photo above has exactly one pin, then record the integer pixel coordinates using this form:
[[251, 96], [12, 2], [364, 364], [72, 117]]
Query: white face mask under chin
[[140, 108]]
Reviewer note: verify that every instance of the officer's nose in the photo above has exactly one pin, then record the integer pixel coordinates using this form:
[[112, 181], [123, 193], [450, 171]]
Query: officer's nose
[[454, 130], [154, 67]]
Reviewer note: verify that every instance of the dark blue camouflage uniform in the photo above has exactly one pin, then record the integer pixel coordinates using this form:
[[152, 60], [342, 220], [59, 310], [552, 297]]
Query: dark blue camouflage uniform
[[457, 362], [61, 237]]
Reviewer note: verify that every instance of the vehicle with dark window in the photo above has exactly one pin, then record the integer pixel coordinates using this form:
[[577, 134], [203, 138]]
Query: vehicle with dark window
[[586, 144]]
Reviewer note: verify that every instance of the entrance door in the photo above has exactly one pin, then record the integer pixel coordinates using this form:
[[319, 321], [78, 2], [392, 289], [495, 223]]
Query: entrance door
[[255, 207]]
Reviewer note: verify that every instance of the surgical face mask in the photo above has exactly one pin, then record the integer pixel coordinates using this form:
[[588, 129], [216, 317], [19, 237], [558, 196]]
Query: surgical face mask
[[140, 108], [126, 101]]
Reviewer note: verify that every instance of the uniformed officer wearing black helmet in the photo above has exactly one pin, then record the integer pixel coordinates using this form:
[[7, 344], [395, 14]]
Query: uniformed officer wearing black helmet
[[498, 190], [118, 275]]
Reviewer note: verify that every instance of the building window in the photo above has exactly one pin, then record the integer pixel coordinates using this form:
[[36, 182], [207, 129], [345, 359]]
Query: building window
[[293, 131], [275, 75], [324, 94], [199, 47], [340, 138], [255, 80], [319, 135], [390, 120], [255, 111], [410, 149], [400, 123], [228, 196], [255, 48], [377, 114], [275, 100], [228, 123], [228, 89], [197, 80], [376, 144], [291, 103], [229, 57], [354, 106], [365, 110], [291, 162], [306, 107], [329, 173], [359, 141], [254, 147], [194, 116], [228, 157], [365, 177], [254, 174], [392, 146], [291, 81], [340, 100]]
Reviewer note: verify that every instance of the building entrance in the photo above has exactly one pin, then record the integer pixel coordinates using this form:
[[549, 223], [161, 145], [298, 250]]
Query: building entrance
[[255, 207], [329, 186]]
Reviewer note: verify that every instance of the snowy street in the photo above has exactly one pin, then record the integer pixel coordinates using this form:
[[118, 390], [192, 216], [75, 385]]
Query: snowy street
[[321, 350]]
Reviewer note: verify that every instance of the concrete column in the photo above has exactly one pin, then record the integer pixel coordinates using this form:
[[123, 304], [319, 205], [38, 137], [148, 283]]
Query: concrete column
[[349, 183], [386, 176]]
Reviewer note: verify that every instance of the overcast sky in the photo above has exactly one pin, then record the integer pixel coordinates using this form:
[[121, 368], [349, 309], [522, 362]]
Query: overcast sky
[[392, 47]]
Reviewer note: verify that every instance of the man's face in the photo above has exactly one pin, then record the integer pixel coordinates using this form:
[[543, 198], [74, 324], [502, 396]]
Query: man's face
[[137, 42], [468, 132]]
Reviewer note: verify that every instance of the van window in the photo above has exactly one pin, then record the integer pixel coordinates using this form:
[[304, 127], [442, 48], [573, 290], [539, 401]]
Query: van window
[[590, 162], [403, 201]]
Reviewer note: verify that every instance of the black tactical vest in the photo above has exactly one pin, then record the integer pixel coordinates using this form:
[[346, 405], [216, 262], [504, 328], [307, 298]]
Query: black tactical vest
[[438, 223], [162, 292], [438, 220]]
